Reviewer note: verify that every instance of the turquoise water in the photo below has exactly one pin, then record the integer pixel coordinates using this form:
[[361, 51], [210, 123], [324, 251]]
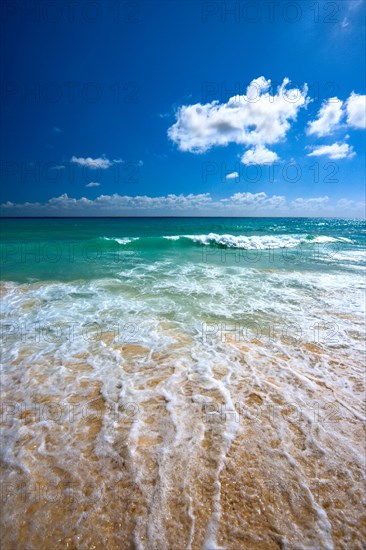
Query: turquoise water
[[67, 249], [223, 355]]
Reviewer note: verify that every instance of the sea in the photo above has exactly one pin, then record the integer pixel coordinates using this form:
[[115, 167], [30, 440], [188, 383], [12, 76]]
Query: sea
[[183, 383]]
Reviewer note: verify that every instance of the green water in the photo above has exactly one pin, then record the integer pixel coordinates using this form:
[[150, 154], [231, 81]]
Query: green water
[[66, 249]]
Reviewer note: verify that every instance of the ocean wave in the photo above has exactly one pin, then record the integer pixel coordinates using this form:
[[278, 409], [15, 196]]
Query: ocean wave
[[124, 240], [252, 242], [325, 239], [258, 242]]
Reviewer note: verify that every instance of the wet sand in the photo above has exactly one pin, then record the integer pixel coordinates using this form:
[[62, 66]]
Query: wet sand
[[263, 451]]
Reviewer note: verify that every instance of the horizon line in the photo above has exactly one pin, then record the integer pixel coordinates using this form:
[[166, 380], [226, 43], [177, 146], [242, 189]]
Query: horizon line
[[180, 217]]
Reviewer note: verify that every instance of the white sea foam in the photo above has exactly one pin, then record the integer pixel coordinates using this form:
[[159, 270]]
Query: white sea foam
[[258, 241], [325, 239], [252, 242], [189, 352], [124, 240]]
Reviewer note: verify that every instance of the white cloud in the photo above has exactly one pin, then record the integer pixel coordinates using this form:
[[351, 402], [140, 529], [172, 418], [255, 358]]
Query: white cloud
[[356, 111], [232, 176], [314, 203], [254, 119], [333, 110], [335, 151], [256, 201], [328, 118], [92, 184], [247, 204], [177, 204], [352, 206], [345, 203], [259, 155], [101, 162]]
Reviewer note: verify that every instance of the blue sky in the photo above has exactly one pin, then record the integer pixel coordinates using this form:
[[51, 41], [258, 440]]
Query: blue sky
[[182, 108]]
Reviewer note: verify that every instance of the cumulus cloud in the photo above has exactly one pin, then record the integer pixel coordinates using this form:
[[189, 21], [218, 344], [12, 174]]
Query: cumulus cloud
[[332, 112], [93, 184], [335, 151], [254, 119], [232, 176], [356, 111], [258, 204], [328, 118], [178, 204], [262, 117], [101, 162], [259, 155]]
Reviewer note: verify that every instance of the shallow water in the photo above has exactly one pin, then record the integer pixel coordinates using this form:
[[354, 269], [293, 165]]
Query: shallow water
[[201, 391]]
